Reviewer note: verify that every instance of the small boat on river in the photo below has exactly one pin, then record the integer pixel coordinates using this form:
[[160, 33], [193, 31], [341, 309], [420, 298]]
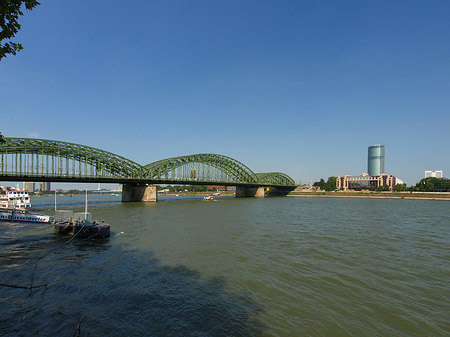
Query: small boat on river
[[14, 215], [208, 198]]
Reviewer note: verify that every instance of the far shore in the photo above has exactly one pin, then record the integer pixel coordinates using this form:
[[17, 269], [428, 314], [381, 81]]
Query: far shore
[[324, 194], [375, 195], [199, 193]]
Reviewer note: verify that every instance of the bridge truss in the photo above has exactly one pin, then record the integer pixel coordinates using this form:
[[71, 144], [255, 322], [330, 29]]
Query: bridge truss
[[28, 159]]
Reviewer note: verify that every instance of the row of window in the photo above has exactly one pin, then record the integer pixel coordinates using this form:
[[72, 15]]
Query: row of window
[[23, 218]]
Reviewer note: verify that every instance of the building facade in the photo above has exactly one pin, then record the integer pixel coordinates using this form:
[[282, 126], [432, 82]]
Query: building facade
[[28, 187], [366, 182], [44, 186], [375, 160], [434, 174]]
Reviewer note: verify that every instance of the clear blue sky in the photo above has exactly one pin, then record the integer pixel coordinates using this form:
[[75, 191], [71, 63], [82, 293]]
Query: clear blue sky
[[301, 87]]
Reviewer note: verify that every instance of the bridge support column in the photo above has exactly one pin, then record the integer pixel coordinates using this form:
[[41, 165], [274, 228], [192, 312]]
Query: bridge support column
[[134, 192], [257, 192]]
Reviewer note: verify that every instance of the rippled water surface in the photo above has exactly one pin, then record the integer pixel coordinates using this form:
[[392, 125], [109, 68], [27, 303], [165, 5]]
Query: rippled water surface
[[234, 267]]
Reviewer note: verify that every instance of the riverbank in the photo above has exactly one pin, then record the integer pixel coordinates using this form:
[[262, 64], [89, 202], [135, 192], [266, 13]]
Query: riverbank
[[375, 195]]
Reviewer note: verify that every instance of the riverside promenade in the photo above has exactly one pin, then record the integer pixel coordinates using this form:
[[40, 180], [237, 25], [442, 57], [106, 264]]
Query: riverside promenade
[[375, 195]]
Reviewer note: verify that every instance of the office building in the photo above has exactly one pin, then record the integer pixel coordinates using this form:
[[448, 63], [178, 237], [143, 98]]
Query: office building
[[434, 174], [29, 187], [372, 180], [375, 160], [366, 182], [44, 186]]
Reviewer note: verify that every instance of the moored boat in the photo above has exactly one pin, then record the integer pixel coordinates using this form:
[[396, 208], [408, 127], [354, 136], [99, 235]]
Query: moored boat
[[15, 199], [13, 208], [80, 224], [22, 216], [84, 229]]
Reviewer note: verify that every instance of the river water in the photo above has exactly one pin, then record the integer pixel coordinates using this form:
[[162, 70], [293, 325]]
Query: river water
[[286, 266]]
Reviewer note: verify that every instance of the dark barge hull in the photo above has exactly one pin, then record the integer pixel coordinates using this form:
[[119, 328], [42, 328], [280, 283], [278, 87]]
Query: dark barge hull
[[94, 231]]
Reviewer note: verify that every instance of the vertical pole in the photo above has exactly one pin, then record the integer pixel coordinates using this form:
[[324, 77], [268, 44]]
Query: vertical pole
[[55, 200], [85, 207]]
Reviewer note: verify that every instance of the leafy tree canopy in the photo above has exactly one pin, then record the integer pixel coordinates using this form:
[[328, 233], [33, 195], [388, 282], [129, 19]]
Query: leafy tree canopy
[[9, 16], [330, 185], [383, 188], [400, 188], [432, 184]]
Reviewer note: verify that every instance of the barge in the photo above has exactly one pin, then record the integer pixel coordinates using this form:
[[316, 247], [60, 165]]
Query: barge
[[84, 229], [81, 225]]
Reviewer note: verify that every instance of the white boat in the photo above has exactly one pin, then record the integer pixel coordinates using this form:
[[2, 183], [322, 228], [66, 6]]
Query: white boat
[[13, 205], [15, 199], [208, 198], [22, 216]]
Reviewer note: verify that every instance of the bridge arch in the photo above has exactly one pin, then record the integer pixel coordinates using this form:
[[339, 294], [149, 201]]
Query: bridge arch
[[55, 159], [205, 167], [275, 178]]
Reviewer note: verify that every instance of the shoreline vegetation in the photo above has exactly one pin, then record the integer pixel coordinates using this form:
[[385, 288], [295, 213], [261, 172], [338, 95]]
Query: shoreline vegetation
[[374, 195]]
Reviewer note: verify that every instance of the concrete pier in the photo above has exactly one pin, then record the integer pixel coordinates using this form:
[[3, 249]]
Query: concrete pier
[[135, 192], [262, 192], [257, 192]]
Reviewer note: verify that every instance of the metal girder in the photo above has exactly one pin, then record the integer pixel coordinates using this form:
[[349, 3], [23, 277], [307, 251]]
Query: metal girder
[[40, 157], [275, 178], [28, 158], [207, 167]]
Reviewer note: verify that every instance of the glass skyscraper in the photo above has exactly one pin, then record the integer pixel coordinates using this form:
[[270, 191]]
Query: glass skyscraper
[[375, 163]]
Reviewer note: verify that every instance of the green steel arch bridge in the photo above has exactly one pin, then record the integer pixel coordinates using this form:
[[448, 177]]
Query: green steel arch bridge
[[28, 159]]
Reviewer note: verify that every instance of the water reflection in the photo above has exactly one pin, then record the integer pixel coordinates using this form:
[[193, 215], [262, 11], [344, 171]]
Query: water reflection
[[115, 291]]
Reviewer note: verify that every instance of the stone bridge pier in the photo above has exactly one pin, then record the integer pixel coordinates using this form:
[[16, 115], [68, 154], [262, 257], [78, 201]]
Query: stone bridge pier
[[139, 192], [262, 192], [244, 191]]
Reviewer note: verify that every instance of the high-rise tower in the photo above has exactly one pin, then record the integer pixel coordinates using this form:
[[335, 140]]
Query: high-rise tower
[[375, 162]]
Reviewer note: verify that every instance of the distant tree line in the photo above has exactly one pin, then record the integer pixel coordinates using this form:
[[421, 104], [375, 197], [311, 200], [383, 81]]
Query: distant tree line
[[183, 188]]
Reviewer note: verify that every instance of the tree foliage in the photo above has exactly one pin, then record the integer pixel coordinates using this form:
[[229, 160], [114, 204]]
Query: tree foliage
[[330, 185], [400, 188], [383, 188], [432, 184], [10, 10]]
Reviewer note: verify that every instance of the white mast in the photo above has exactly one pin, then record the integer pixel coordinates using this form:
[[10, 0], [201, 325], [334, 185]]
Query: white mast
[[85, 207]]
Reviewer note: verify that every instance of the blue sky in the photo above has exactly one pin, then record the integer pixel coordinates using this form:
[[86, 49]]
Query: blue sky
[[301, 87]]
